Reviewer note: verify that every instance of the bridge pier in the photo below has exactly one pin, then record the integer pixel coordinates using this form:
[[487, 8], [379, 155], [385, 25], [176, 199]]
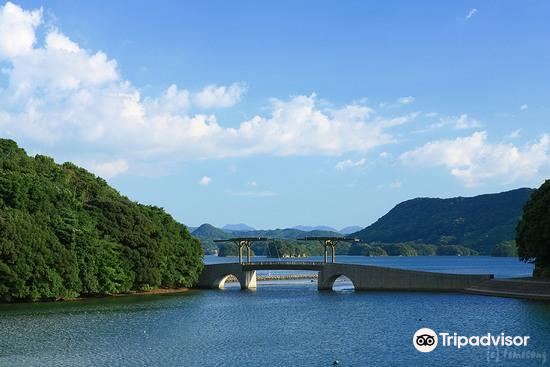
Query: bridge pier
[[248, 280], [214, 276]]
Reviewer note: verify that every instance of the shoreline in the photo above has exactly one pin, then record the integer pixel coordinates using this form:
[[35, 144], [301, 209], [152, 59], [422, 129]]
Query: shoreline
[[151, 292], [158, 291]]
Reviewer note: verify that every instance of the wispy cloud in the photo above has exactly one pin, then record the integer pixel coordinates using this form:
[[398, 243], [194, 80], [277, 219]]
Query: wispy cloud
[[205, 181], [108, 169], [348, 163], [461, 122], [515, 134], [471, 13], [406, 100], [523, 107]]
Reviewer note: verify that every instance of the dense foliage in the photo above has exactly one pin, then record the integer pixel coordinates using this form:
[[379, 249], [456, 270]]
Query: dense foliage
[[533, 231], [505, 249], [65, 233], [479, 222]]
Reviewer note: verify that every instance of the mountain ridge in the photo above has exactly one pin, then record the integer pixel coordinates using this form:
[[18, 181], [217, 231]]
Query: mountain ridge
[[478, 222]]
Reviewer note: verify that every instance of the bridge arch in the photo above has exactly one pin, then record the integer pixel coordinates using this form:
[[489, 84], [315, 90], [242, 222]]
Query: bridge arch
[[327, 281], [214, 276], [341, 282], [219, 282]]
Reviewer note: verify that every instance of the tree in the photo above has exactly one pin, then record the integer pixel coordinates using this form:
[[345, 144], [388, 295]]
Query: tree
[[505, 249], [533, 231], [65, 233]]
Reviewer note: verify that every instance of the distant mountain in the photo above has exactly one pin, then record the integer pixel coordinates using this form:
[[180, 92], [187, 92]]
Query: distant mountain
[[479, 222], [208, 231], [287, 233], [350, 229], [314, 228], [241, 227]]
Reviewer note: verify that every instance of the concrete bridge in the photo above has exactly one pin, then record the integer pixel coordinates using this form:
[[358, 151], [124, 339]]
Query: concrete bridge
[[363, 277]]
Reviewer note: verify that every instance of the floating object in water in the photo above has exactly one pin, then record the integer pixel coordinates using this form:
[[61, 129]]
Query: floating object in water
[[336, 363]]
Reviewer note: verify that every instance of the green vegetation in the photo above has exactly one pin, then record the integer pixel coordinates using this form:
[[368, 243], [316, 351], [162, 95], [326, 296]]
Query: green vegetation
[[286, 248], [533, 231], [206, 234], [478, 223], [505, 249], [66, 233]]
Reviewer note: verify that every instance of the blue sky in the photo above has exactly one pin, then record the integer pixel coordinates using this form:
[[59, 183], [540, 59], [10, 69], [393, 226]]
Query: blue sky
[[283, 113]]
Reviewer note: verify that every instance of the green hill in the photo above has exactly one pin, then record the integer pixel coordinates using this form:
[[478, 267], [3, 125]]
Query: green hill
[[479, 222], [66, 233], [207, 233]]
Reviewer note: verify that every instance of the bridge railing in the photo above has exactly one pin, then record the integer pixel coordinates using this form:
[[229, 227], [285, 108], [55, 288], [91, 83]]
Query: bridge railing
[[283, 263]]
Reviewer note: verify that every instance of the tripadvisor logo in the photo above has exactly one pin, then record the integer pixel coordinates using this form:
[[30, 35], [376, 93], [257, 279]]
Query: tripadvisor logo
[[425, 340]]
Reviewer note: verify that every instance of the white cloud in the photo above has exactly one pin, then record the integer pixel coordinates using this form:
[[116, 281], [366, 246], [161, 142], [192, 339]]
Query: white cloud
[[173, 101], [220, 96], [348, 163], [395, 185], [17, 26], [109, 169], [515, 134], [58, 41], [406, 100], [252, 183], [473, 159], [205, 181], [523, 107], [385, 155], [63, 96], [461, 122], [471, 13], [465, 122]]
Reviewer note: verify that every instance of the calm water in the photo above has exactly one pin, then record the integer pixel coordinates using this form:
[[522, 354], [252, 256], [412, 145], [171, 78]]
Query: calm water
[[279, 324]]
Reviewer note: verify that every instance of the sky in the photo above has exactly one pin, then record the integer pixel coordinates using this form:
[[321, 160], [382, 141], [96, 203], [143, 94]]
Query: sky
[[282, 113]]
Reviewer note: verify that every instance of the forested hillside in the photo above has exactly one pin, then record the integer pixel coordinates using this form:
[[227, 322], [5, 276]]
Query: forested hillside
[[480, 222], [65, 233]]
